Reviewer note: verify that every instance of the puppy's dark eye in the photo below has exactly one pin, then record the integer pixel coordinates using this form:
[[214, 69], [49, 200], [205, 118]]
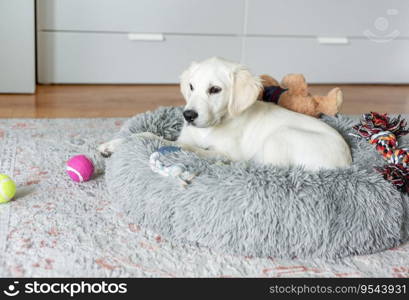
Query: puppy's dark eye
[[191, 87], [214, 90]]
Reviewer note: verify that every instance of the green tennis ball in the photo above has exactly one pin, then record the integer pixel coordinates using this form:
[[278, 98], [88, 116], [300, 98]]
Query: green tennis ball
[[7, 188]]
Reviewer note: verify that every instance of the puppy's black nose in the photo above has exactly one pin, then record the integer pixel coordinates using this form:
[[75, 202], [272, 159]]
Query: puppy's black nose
[[190, 115]]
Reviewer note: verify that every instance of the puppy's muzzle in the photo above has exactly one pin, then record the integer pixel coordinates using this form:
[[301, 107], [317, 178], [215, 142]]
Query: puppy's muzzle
[[190, 115]]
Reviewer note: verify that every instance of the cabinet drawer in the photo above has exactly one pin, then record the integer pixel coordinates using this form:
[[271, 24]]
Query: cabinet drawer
[[359, 61], [328, 17], [150, 16], [65, 57]]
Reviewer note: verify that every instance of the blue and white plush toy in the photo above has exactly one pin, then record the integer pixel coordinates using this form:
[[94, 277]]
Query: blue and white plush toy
[[177, 171]]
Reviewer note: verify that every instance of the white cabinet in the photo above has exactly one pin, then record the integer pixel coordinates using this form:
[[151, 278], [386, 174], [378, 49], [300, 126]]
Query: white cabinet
[[148, 16], [127, 41], [330, 41], [350, 41], [17, 46], [72, 57], [360, 60], [347, 18]]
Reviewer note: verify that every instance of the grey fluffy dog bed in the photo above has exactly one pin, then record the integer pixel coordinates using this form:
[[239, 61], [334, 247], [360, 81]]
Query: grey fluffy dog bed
[[257, 210]]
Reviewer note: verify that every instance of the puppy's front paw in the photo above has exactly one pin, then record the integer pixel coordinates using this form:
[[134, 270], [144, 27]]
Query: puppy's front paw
[[110, 147]]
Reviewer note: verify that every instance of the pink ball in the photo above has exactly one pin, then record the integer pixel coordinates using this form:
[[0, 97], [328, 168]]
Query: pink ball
[[80, 168]]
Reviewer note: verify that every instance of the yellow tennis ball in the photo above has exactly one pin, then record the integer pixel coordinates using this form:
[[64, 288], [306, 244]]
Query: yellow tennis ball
[[7, 188]]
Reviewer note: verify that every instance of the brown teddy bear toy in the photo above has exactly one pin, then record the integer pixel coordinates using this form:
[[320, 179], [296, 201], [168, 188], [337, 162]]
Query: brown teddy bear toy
[[293, 94]]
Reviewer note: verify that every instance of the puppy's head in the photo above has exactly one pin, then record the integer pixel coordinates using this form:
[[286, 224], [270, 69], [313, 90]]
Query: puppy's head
[[216, 89]]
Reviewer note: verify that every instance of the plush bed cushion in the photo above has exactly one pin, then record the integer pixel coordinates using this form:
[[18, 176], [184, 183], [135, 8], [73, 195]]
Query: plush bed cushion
[[255, 210]]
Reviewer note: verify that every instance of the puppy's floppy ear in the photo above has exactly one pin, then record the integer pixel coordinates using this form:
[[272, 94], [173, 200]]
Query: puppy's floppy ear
[[245, 90], [184, 79]]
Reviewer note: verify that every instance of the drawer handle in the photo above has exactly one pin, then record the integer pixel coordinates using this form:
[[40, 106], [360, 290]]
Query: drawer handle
[[158, 37], [333, 40]]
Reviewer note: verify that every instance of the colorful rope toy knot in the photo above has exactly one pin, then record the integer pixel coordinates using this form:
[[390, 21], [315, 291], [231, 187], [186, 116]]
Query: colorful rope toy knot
[[176, 171], [383, 132], [373, 123], [398, 175]]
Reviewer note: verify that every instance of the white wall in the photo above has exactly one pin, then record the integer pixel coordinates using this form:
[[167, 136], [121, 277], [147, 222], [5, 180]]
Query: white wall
[[17, 46]]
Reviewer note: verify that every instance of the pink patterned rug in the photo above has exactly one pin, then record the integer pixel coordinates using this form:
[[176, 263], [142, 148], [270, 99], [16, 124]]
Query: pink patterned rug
[[56, 227]]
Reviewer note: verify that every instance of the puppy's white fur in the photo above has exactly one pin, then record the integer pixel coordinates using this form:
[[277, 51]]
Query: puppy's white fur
[[234, 124]]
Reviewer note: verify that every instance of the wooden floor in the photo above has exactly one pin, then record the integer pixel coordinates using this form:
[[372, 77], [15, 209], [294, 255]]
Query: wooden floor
[[87, 101]]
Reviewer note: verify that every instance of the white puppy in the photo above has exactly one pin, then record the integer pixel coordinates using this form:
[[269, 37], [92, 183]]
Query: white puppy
[[223, 116]]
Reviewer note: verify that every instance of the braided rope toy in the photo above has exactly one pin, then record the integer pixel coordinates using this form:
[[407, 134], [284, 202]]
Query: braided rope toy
[[383, 132], [177, 171]]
